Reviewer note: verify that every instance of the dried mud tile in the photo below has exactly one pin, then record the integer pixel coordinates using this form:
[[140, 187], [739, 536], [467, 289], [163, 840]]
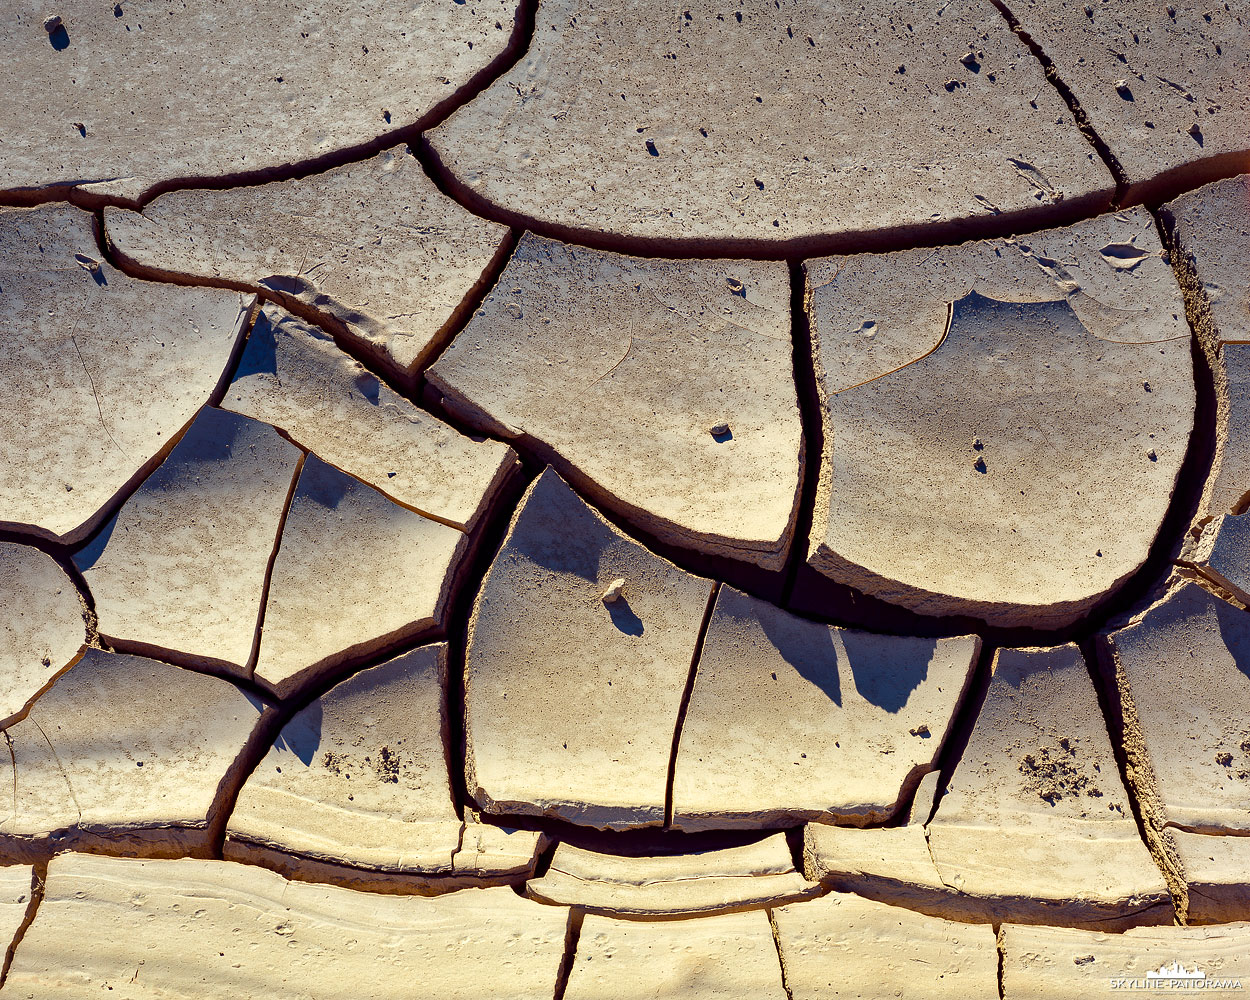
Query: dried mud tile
[[663, 389], [186, 930], [1162, 85], [181, 567], [41, 625], [722, 957], [15, 890], [258, 88], [791, 720], [373, 244], [1217, 876], [841, 945], [383, 575], [611, 124], [974, 482], [1058, 963], [1035, 824], [291, 375], [359, 776], [102, 370], [1212, 229], [753, 876], [124, 754], [1183, 671], [572, 698]]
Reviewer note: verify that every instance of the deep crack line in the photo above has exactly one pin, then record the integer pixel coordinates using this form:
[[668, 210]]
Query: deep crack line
[[1109, 159], [684, 705]]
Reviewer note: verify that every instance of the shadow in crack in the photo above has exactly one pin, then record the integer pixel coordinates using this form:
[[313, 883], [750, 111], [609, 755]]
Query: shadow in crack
[[302, 735]]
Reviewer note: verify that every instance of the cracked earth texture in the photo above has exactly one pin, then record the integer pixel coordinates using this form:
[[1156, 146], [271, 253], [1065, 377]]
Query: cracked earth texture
[[548, 499]]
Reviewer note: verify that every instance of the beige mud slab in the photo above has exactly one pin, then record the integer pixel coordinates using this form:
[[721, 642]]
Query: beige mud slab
[[292, 376], [188, 930], [374, 245], [756, 875], [1217, 875], [791, 720], [1212, 228], [123, 754], [841, 945], [1054, 963], [383, 572], [1035, 824], [1183, 675], [219, 89], [724, 957], [1162, 85], [359, 778], [874, 313], [972, 480], [15, 890], [42, 628], [103, 370], [572, 699], [663, 389], [181, 567], [778, 122]]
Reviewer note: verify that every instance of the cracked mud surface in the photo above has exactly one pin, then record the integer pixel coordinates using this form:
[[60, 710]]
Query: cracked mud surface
[[542, 499]]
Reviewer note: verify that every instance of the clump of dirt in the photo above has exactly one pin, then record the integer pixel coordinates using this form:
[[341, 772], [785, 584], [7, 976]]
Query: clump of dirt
[[1054, 773]]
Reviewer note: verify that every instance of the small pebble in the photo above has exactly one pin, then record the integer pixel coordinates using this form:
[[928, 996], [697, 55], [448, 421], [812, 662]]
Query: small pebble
[[53, 23], [719, 429], [614, 590]]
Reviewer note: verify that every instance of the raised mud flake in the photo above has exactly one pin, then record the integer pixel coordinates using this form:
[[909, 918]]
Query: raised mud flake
[[1035, 823], [354, 574], [614, 368], [1222, 554], [841, 945], [871, 314], [723, 957], [125, 754], [181, 567], [292, 376], [102, 370], [761, 127], [571, 704], [280, 86], [359, 779], [42, 629], [1163, 85], [756, 875], [791, 720], [1044, 963], [373, 244], [1183, 673], [973, 481], [191, 929]]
